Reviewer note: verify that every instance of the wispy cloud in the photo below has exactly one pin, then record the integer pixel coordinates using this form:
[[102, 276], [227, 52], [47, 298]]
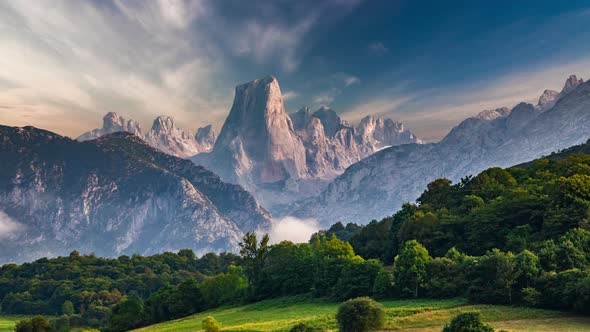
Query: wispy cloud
[[326, 97], [65, 64], [350, 80], [288, 95], [432, 113], [379, 107], [378, 48]]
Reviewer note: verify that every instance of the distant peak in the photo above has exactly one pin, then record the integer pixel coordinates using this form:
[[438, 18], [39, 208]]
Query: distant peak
[[163, 123], [571, 83], [268, 80], [493, 114]]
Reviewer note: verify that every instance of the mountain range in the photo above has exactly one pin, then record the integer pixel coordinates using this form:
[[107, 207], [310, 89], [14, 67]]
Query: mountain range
[[113, 195], [376, 186], [279, 157], [282, 157], [163, 135], [120, 190]]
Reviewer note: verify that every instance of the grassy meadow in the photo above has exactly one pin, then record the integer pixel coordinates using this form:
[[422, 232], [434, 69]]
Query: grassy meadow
[[406, 315], [7, 323]]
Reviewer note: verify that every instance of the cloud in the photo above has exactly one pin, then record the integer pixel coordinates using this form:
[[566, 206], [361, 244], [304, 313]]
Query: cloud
[[378, 48], [292, 229], [350, 80], [276, 32], [8, 226], [432, 113], [288, 95], [326, 97], [379, 107], [76, 61]]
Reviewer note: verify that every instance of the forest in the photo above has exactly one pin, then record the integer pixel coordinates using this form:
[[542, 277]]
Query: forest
[[506, 236]]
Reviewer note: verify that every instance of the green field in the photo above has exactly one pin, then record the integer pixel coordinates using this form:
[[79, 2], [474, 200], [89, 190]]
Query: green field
[[406, 315], [7, 323]]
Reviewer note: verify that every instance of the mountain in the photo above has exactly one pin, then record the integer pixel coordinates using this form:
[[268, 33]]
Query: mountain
[[377, 185], [163, 135], [550, 97], [113, 195], [206, 137], [282, 157], [112, 123]]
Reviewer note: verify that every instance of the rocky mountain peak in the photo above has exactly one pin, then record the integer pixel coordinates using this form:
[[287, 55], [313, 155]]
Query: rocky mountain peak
[[163, 135], [113, 122], [259, 132], [547, 99], [163, 124], [301, 118], [571, 84], [330, 120], [206, 137], [493, 114]]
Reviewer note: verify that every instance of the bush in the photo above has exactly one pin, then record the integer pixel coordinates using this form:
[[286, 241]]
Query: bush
[[36, 324], [359, 315], [467, 322], [209, 324], [301, 327], [531, 297]]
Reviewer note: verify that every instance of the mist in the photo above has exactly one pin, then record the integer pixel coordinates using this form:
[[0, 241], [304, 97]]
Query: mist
[[292, 229], [8, 226]]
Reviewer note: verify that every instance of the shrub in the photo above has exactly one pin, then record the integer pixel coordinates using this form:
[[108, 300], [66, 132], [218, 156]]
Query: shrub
[[36, 324], [469, 321], [67, 308], [531, 297], [301, 327], [209, 324], [359, 315]]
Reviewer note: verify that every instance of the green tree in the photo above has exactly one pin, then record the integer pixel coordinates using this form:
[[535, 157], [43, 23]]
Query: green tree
[[383, 286], [437, 194], [35, 324], [528, 267], [126, 315], [467, 322], [209, 324], [357, 278], [410, 268], [67, 308], [225, 288], [360, 315], [253, 256]]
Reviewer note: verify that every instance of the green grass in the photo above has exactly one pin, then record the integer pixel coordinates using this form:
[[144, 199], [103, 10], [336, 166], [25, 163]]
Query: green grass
[[406, 315], [7, 323]]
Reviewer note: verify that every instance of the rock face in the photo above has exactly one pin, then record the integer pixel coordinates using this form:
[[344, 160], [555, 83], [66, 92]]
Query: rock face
[[112, 123], [377, 185], [257, 140], [282, 157], [164, 135], [113, 195], [206, 137], [550, 97]]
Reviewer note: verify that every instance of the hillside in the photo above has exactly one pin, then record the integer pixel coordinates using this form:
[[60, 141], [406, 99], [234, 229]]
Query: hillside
[[414, 315], [111, 196]]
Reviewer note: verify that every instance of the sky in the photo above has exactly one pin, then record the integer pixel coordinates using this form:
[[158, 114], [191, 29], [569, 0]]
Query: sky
[[427, 64]]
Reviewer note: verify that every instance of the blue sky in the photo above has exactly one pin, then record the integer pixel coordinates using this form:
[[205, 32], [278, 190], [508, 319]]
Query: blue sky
[[428, 64]]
